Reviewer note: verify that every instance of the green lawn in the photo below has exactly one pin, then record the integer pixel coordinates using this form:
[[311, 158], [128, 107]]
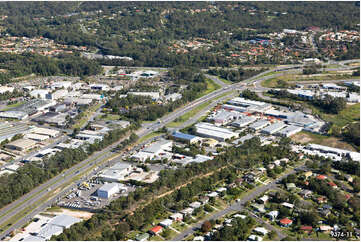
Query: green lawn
[[211, 86], [179, 226], [149, 136], [8, 107], [110, 117], [86, 115], [156, 238], [350, 114], [179, 121]]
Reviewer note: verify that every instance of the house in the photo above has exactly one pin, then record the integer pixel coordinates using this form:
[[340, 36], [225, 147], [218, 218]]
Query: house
[[204, 200], [156, 230], [142, 237], [239, 216], [261, 230], [187, 211], [322, 199], [285, 222], [349, 178], [321, 177], [176, 216], [253, 237], [287, 205], [198, 238], [332, 184], [166, 223], [325, 228], [325, 212], [305, 193], [263, 199], [272, 215], [195, 205], [212, 194], [307, 229], [258, 207], [290, 186], [221, 189]]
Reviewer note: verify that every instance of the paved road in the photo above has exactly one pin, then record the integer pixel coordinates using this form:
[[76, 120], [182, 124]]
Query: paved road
[[238, 206]]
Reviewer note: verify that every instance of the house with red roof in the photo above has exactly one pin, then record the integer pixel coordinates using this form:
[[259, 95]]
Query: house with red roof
[[306, 229], [285, 222], [332, 184], [321, 177], [156, 230], [322, 199]]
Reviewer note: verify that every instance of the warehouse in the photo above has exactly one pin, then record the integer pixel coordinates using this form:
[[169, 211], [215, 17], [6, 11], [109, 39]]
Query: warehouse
[[211, 131], [59, 85], [9, 129], [223, 117], [290, 130], [101, 87], [259, 124], [234, 108], [92, 96], [21, 144], [14, 115], [250, 105], [58, 108], [64, 221], [4, 89], [243, 139], [273, 128], [44, 131], [89, 138], [116, 173], [243, 121], [154, 95], [39, 93], [36, 137], [57, 94], [190, 139], [108, 190]]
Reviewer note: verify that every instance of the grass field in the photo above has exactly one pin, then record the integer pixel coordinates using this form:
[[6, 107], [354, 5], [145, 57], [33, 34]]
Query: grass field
[[110, 117], [149, 136], [211, 86], [349, 115], [308, 137], [179, 121], [272, 82], [8, 107], [86, 115]]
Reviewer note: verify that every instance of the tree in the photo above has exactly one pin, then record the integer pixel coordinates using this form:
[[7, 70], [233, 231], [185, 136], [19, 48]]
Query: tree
[[206, 226]]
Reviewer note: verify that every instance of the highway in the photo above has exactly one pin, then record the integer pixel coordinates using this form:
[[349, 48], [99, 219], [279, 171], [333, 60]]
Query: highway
[[42, 196]]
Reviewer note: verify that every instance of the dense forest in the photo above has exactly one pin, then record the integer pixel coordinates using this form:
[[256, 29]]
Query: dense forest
[[24, 64]]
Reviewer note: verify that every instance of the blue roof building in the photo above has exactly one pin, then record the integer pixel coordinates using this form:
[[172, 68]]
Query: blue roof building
[[185, 137]]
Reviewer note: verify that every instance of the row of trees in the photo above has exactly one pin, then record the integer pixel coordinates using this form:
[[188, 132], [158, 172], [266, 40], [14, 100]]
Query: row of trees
[[234, 75]]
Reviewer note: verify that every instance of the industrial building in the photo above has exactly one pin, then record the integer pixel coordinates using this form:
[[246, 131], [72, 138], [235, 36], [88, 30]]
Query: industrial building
[[153, 150], [57, 94], [212, 131], [250, 105], [330, 150], [116, 173], [58, 119], [39, 93], [92, 96], [35, 105], [89, 138], [154, 95], [100, 87], [36, 137], [223, 117], [64, 221], [289, 131], [21, 144], [14, 115], [44, 131], [62, 84], [188, 138], [4, 89], [108, 190], [259, 124], [243, 121], [273, 128], [243, 139]]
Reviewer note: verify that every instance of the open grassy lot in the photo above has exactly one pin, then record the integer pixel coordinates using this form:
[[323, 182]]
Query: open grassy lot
[[273, 82], [86, 115], [308, 137], [110, 117], [211, 86], [349, 115], [8, 107]]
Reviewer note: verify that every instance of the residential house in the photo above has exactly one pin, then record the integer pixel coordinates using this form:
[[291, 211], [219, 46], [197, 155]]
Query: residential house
[[187, 211], [272, 215], [321, 177], [176, 216], [258, 207], [253, 237], [204, 200], [142, 237], [322, 199], [261, 230], [285, 222], [290, 186], [332, 184], [349, 178], [305, 193], [166, 223], [195, 205], [287, 205], [263, 199], [156, 230], [325, 228], [306, 229]]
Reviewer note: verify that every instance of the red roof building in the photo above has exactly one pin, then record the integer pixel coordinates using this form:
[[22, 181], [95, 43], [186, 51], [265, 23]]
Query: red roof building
[[332, 184], [306, 228], [286, 222], [156, 230], [321, 177]]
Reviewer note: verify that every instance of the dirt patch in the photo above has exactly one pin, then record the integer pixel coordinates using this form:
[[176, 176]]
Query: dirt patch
[[78, 214]]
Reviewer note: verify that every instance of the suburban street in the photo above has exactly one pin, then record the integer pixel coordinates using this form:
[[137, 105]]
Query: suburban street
[[239, 206]]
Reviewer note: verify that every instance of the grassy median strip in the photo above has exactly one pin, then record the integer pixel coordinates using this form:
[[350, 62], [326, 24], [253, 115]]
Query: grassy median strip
[[86, 115]]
